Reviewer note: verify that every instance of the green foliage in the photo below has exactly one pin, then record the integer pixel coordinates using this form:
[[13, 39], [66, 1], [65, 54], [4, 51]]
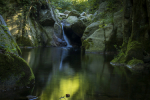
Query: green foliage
[[63, 5], [102, 24], [6, 47], [135, 61], [93, 5], [86, 43]]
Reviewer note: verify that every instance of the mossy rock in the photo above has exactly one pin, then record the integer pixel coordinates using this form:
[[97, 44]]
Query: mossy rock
[[14, 72], [134, 51], [86, 43], [23, 41], [135, 62]]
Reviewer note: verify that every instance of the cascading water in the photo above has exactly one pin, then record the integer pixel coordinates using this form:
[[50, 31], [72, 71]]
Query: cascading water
[[65, 37]]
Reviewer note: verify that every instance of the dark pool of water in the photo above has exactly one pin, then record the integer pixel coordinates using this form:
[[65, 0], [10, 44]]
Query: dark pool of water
[[61, 71]]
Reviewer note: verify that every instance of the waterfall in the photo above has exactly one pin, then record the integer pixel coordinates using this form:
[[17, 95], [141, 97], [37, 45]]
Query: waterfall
[[65, 37], [3, 23]]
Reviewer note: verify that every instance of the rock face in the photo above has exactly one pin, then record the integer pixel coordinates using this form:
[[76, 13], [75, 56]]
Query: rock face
[[118, 24], [6, 39], [90, 30], [106, 29], [96, 41], [136, 27], [75, 24], [14, 71], [46, 18], [30, 30]]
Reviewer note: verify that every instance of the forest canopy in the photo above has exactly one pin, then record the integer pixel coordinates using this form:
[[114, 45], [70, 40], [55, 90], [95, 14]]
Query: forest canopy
[[79, 5]]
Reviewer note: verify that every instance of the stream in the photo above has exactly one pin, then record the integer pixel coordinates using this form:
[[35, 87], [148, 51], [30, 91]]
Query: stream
[[61, 70]]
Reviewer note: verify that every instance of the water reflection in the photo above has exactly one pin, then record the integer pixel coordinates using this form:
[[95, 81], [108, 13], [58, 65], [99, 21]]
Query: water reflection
[[61, 71]]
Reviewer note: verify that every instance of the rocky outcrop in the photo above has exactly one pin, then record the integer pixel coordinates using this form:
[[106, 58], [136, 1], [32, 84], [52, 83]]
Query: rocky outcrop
[[33, 29], [90, 30], [46, 18], [7, 41], [14, 71], [135, 33], [76, 25], [96, 42], [106, 31]]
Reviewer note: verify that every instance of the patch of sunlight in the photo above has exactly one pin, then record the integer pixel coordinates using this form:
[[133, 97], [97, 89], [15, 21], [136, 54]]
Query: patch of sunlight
[[29, 58], [14, 29], [30, 37], [14, 22], [67, 86], [60, 86]]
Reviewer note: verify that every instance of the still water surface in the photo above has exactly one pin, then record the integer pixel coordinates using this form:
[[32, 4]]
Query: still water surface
[[61, 71]]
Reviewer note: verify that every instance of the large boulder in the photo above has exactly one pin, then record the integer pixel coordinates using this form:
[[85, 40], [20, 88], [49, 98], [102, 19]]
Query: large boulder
[[14, 72], [46, 18], [86, 19], [74, 13], [96, 41], [90, 29], [76, 25]]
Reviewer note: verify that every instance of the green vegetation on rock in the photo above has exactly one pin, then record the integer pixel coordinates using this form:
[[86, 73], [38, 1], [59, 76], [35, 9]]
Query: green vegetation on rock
[[22, 41], [135, 62], [14, 71]]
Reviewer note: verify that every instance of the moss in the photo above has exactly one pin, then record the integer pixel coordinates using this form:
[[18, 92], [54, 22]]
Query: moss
[[134, 50], [120, 58], [23, 41], [135, 61], [86, 43], [16, 67]]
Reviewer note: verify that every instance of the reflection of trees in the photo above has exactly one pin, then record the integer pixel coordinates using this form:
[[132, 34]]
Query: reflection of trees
[[92, 77]]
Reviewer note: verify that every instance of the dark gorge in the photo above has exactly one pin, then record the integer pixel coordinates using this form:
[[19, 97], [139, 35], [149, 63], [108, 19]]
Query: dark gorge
[[74, 50]]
